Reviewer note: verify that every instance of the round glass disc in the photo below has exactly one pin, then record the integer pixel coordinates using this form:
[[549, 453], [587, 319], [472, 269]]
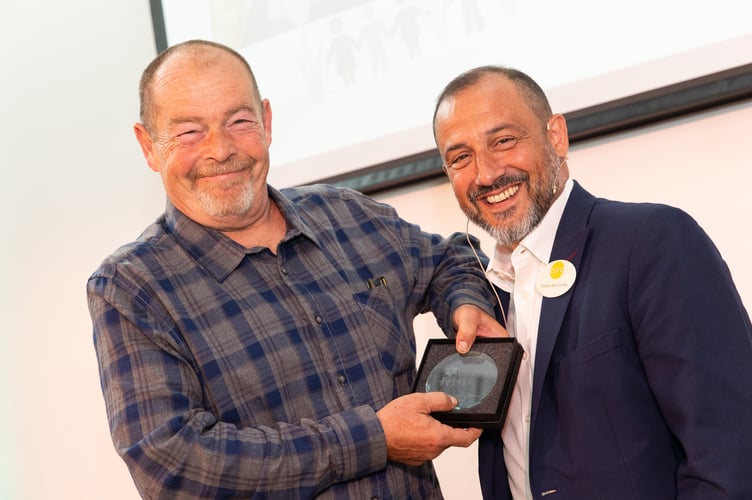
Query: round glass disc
[[468, 377]]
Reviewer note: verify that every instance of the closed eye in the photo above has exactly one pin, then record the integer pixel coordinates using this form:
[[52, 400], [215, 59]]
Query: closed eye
[[242, 125], [190, 136]]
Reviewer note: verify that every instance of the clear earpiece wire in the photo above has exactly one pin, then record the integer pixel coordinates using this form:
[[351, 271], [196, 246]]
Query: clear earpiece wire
[[480, 263]]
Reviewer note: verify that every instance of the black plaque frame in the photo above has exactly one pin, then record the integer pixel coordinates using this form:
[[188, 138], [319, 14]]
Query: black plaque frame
[[491, 412]]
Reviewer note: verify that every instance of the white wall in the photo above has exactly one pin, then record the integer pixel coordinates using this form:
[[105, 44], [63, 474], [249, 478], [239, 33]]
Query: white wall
[[74, 186]]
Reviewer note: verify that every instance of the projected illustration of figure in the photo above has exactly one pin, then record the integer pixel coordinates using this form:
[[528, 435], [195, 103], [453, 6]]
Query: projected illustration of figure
[[343, 52], [470, 11], [407, 26], [372, 36]]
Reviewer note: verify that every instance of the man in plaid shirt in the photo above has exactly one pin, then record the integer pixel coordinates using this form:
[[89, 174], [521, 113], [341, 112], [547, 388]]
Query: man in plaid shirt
[[256, 342]]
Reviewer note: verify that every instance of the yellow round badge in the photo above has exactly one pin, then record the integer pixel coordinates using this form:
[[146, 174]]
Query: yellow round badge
[[556, 278]]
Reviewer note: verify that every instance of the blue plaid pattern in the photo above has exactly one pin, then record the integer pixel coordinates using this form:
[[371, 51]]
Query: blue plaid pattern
[[235, 372]]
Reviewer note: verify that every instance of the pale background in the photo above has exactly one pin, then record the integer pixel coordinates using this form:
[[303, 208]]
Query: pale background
[[74, 187]]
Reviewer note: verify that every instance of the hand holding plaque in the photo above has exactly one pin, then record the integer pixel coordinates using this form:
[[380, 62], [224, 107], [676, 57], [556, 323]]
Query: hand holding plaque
[[481, 380]]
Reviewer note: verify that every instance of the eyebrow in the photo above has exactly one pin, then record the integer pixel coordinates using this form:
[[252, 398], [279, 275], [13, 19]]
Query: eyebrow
[[179, 120], [243, 107], [504, 126]]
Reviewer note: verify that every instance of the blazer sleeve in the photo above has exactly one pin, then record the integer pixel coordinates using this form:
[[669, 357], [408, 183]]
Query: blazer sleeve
[[695, 342]]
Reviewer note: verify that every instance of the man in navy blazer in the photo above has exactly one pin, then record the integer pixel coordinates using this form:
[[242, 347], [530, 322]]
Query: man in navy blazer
[[637, 378]]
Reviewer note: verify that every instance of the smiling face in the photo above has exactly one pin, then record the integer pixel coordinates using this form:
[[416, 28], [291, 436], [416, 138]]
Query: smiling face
[[208, 136], [506, 165]]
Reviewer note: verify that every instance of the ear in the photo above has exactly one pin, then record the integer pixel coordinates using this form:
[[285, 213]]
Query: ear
[[147, 146], [266, 109], [558, 135]]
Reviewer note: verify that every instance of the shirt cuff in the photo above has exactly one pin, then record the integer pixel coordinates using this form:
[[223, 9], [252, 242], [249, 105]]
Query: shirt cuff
[[362, 443]]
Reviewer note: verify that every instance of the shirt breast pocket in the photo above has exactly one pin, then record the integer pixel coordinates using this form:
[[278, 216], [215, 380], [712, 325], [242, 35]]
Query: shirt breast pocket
[[392, 338]]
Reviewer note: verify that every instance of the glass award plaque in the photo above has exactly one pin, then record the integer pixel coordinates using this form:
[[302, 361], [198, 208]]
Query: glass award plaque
[[481, 380]]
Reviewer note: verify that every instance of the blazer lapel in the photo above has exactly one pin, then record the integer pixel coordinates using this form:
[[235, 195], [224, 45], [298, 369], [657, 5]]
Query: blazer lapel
[[569, 243]]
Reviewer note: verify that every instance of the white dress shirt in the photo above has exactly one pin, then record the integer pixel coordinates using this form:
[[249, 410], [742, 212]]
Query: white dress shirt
[[516, 272]]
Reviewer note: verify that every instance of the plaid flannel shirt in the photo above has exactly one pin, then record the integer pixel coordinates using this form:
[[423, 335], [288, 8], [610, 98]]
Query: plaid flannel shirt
[[234, 372]]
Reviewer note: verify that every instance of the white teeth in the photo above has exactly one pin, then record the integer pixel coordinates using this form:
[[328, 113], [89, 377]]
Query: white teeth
[[503, 195]]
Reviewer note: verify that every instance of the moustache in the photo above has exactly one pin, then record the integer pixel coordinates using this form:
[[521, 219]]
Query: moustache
[[226, 167], [500, 182]]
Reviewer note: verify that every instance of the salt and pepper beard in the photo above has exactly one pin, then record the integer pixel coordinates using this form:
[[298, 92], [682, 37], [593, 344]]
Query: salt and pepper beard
[[237, 195], [542, 195]]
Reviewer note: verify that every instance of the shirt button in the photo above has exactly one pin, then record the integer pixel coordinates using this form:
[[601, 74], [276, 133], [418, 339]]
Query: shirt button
[[319, 319], [341, 379], [283, 270]]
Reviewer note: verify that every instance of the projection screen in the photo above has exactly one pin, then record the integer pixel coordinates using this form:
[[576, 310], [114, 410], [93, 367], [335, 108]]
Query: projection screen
[[353, 83]]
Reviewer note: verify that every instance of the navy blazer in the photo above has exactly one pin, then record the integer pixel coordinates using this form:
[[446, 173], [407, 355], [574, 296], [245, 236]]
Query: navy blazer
[[642, 386]]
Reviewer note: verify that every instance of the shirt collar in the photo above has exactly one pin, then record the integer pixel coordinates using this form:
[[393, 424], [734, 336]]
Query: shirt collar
[[538, 242], [217, 253]]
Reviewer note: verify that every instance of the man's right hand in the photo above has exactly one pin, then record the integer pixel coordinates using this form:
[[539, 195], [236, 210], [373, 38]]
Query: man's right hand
[[413, 436]]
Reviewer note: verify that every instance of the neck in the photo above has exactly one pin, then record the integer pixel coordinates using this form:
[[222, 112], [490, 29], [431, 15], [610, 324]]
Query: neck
[[266, 231]]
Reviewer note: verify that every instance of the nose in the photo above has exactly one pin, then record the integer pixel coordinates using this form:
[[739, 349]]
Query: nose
[[487, 168], [218, 145]]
